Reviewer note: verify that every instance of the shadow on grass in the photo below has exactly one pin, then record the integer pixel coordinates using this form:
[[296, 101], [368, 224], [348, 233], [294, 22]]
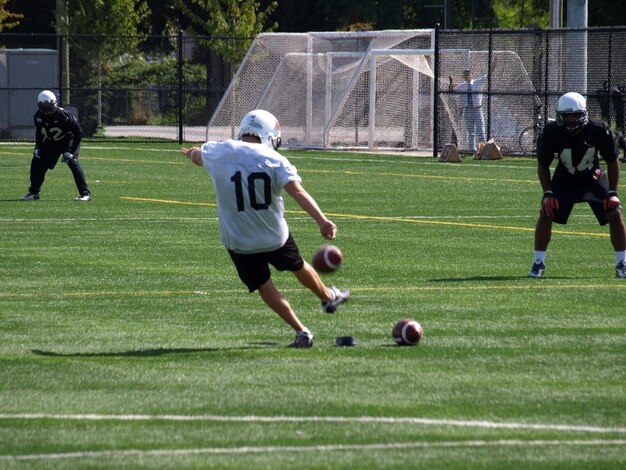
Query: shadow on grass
[[151, 352]]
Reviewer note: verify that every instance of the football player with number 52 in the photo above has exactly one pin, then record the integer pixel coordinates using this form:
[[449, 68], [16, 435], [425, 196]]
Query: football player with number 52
[[57, 135], [576, 140]]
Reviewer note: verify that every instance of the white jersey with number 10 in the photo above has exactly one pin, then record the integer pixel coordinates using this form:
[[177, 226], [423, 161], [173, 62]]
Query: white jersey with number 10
[[248, 180]]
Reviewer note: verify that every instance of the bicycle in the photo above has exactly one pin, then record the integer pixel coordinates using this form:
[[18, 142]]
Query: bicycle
[[527, 139]]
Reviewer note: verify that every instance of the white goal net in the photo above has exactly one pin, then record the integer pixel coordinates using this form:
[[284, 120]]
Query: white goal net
[[336, 90]]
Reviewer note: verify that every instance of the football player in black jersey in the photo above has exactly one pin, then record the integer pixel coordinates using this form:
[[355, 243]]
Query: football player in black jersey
[[576, 140], [57, 135]]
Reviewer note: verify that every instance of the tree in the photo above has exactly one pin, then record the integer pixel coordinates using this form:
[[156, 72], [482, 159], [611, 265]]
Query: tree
[[519, 14], [607, 13], [164, 19], [228, 19], [115, 22], [7, 19], [107, 17]]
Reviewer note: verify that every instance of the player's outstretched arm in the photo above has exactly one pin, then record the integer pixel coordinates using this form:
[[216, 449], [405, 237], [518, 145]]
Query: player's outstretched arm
[[194, 154], [327, 228]]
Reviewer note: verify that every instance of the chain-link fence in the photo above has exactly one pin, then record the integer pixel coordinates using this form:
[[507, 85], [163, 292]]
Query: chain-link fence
[[140, 88], [122, 87], [523, 74]]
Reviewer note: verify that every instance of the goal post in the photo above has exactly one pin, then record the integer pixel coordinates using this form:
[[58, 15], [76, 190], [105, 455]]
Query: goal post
[[372, 90], [417, 60], [359, 90]]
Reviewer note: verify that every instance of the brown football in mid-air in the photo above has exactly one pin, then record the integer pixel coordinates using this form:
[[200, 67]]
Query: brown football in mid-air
[[327, 259]]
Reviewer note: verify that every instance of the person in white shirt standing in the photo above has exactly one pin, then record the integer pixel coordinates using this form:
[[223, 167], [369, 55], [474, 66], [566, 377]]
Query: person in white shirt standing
[[472, 104], [248, 176]]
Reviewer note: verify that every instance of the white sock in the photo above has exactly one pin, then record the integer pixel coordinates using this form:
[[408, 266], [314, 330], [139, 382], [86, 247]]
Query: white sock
[[620, 256], [304, 330], [540, 256]]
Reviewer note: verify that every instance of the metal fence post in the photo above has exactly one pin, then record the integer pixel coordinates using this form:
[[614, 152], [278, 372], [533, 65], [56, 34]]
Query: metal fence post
[[180, 86], [489, 68], [609, 73], [545, 78], [436, 92], [64, 69], [60, 48]]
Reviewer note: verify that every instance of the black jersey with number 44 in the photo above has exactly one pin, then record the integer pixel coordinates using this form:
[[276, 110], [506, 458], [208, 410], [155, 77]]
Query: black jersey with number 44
[[577, 154], [58, 132]]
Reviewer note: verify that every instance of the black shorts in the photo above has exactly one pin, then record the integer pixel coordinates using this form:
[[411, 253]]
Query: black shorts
[[254, 270], [592, 188]]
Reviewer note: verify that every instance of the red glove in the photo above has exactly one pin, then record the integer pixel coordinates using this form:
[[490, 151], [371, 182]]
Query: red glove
[[612, 200], [549, 204]]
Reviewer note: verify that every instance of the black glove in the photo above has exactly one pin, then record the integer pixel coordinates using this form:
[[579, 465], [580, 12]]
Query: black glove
[[67, 157]]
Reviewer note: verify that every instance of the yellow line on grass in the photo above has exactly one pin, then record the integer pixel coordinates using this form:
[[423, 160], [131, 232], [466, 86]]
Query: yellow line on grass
[[387, 219], [168, 201], [414, 175], [13, 153], [463, 224]]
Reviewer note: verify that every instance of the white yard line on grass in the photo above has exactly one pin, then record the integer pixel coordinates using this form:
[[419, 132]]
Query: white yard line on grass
[[313, 448], [325, 419]]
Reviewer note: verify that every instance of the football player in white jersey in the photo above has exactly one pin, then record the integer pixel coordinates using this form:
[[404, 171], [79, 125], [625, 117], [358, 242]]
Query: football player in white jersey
[[248, 176], [575, 139]]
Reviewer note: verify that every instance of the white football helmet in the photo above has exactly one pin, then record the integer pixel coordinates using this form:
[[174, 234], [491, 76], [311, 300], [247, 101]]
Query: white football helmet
[[262, 124], [47, 102], [572, 104]]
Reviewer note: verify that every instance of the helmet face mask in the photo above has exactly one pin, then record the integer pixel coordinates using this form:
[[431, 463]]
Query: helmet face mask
[[571, 113], [262, 124], [47, 102]]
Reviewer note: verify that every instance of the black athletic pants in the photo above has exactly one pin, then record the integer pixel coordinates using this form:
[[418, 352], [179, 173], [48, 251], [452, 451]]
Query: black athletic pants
[[39, 167]]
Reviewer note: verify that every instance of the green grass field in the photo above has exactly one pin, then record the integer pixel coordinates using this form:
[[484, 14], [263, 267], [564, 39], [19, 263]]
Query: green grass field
[[127, 340]]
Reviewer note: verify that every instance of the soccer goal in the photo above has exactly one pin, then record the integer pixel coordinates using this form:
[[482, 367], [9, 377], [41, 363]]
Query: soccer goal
[[361, 90]]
